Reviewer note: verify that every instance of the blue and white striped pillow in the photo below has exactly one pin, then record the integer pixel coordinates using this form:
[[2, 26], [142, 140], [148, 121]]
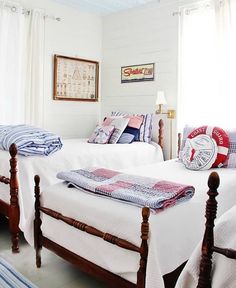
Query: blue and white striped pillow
[[145, 132]]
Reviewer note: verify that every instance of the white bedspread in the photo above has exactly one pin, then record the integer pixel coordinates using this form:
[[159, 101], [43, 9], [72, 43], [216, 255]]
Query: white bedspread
[[75, 153], [174, 232], [223, 269]]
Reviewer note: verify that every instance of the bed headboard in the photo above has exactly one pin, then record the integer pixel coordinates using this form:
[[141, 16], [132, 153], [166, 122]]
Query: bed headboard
[[179, 142], [161, 133]]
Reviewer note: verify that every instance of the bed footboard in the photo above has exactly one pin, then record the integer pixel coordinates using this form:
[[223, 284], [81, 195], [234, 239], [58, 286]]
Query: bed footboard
[[12, 210], [84, 264], [4, 207], [208, 246]]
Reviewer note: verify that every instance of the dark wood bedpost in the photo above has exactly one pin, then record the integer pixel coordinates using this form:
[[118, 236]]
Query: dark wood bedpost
[[37, 222], [141, 275], [204, 280], [179, 143], [161, 132], [14, 211]]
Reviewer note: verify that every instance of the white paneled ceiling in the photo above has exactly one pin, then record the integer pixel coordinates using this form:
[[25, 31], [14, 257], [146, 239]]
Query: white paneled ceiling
[[104, 7]]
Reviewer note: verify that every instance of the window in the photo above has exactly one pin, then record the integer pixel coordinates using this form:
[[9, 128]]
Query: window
[[207, 64]]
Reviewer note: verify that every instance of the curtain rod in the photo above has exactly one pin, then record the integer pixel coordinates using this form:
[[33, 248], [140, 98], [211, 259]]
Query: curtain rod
[[27, 12], [189, 10], [201, 3]]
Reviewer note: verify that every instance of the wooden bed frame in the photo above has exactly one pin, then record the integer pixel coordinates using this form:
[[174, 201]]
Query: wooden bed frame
[[85, 265], [208, 247], [89, 267], [12, 211]]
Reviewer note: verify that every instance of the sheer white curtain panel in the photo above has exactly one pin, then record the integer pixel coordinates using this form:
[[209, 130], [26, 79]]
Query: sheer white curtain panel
[[34, 55], [11, 61], [21, 68], [207, 64]]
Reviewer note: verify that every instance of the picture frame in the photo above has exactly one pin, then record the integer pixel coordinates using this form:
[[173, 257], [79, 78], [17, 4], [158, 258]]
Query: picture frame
[[75, 79], [137, 73]]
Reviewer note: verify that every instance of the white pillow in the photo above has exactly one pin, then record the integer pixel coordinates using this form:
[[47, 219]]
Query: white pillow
[[119, 124], [200, 152]]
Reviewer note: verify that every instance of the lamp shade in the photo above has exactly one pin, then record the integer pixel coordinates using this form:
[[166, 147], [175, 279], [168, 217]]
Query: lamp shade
[[161, 100]]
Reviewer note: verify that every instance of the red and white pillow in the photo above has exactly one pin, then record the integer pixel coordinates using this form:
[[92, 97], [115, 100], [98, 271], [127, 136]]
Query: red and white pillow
[[218, 134], [200, 152], [101, 134]]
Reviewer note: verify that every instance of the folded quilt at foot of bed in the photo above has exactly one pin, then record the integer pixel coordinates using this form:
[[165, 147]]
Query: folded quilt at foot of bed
[[137, 190], [29, 140]]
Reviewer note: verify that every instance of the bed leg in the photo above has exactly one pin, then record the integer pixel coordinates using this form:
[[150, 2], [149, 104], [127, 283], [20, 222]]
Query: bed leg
[[14, 211], [14, 230], [141, 275], [37, 222]]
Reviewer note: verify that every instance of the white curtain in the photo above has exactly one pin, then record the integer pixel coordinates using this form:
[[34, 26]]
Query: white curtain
[[21, 64], [34, 55], [11, 90], [207, 64]]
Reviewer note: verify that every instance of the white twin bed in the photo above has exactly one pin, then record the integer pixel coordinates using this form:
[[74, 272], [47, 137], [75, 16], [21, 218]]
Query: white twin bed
[[75, 153], [173, 233]]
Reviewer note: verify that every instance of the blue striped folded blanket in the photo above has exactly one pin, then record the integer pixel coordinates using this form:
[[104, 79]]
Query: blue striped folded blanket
[[29, 140], [137, 190]]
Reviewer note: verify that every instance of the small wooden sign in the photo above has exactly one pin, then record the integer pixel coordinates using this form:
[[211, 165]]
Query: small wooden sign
[[137, 73]]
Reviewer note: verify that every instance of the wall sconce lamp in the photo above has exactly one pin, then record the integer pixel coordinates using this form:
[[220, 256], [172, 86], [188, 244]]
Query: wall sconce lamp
[[160, 101]]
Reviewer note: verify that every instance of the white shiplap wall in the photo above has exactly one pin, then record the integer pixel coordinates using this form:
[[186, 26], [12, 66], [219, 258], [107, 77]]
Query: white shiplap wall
[[78, 34], [134, 37]]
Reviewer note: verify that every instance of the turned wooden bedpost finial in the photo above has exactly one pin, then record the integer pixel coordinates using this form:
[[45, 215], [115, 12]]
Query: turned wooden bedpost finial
[[13, 150], [37, 221], [161, 132], [144, 248], [204, 280], [14, 211]]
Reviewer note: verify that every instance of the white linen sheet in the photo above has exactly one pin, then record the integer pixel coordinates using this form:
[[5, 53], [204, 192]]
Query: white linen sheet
[[223, 268], [173, 233], [75, 153]]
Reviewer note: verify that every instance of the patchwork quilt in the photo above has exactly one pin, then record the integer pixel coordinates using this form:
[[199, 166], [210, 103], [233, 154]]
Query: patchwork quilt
[[136, 190]]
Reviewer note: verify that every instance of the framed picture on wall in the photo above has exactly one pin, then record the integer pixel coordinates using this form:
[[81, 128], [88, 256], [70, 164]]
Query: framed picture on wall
[[137, 73], [75, 79]]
